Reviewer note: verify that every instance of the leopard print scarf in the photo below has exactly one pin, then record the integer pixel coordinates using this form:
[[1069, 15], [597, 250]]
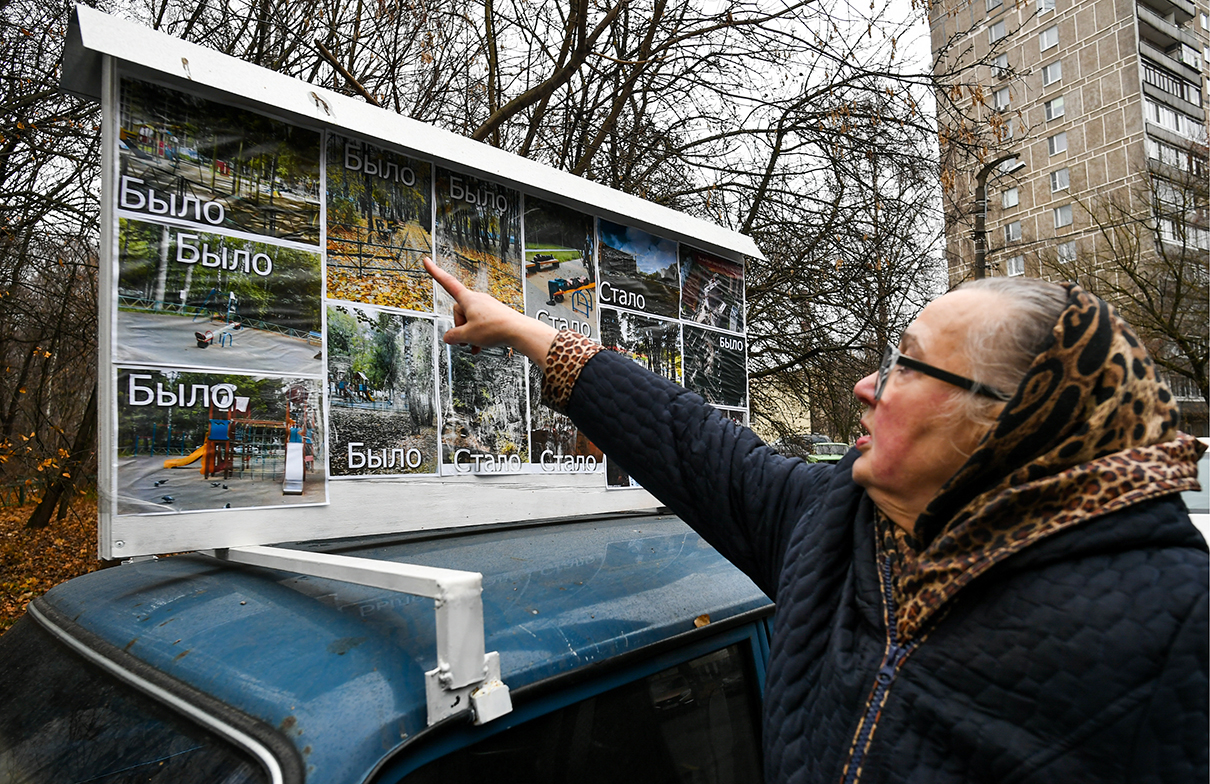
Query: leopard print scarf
[[1090, 430]]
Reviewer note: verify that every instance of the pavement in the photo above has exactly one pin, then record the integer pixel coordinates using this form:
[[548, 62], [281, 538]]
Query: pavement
[[260, 485], [168, 339], [537, 293]]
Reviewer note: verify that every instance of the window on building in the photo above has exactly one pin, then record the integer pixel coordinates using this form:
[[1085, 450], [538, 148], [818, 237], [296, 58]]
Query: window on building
[[1000, 66], [991, 4], [1054, 108], [1062, 216], [1205, 20], [1057, 143], [1001, 98], [1066, 251], [1045, 6], [1172, 120], [1172, 84], [1006, 129], [1170, 196], [1049, 37], [1175, 157], [1014, 266], [1183, 233], [1052, 73], [1011, 197], [997, 31], [1060, 180], [1187, 55], [1012, 232]]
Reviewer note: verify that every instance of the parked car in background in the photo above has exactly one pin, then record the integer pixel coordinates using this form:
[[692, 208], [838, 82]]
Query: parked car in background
[[1198, 501], [632, 650], [799, 444], [828, 452]]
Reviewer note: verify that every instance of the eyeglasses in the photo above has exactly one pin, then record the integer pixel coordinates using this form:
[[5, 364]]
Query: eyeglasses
[[892, 357]]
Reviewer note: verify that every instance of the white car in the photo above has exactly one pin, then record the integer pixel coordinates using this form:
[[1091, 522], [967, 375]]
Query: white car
[[1198, 501]]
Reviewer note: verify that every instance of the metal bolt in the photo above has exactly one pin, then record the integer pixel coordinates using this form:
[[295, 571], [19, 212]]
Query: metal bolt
[[119, 544]]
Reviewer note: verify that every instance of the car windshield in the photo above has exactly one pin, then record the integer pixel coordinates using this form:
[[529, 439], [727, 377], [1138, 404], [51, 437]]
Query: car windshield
[[67, 722]]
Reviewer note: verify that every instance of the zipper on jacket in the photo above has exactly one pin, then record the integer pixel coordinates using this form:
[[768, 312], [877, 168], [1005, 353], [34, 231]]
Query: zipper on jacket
[[891, 661]]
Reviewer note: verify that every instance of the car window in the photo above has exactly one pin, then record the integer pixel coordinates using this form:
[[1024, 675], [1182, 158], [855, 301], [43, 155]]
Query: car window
[[78, 724], [695, 722]]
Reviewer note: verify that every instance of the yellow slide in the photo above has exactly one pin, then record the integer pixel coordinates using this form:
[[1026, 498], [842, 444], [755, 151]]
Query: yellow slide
[[181, 462]]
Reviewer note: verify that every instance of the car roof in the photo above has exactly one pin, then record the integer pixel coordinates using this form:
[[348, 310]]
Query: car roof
[[339, 668]]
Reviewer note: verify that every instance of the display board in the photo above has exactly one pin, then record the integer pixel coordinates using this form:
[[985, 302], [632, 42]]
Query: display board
[[271, 361]]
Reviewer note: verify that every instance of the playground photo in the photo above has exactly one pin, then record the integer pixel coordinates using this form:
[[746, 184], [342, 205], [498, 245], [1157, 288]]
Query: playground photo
[[483, 416], [638, 270], [382, 398], [712, 290], [653, 343], [552, 431], [380, 217], [560, 284], [479, 238], [206, 441], [256, 309], [714, 366], [216, 165]]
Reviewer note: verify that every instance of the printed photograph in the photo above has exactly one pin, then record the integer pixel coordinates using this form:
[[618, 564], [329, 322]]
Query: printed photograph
[[483, 416], [190, 298], [738, 417], [560, 285], [204, 441], [616, 477], [216, 165], [712, 290], [382, 397], [380, 220], [653, 343], [479, 238], [638, 270], [552, 436], [715, 366]]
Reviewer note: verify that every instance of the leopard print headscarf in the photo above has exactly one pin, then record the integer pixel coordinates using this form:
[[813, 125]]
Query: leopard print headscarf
[[1091, 429]]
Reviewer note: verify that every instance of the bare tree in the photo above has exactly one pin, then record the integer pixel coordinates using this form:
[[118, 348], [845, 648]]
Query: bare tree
[[1147, 251], [48, 167]]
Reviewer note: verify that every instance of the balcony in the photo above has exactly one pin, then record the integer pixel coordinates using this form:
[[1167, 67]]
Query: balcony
[[1155, 53], [1182, 10], [1162, 32]]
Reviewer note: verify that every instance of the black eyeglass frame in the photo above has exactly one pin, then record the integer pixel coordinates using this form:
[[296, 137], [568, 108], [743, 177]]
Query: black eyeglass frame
[[892, 357]]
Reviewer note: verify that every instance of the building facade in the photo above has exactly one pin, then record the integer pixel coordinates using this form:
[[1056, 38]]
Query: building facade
[[1085, 125]]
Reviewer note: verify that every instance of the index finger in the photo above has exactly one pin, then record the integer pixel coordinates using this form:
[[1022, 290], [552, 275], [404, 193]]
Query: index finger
[[447, 281]]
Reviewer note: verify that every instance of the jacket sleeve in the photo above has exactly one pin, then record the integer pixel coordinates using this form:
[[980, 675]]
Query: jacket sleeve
[[719, 477]]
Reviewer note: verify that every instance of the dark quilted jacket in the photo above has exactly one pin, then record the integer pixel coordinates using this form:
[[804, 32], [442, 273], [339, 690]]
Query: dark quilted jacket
[[1081, 659]]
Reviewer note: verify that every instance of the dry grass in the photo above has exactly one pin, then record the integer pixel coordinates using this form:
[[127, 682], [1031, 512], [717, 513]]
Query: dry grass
[[34, 561]]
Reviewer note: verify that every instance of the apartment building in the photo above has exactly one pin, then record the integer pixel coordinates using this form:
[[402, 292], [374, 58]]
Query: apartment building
[[1098, 108]]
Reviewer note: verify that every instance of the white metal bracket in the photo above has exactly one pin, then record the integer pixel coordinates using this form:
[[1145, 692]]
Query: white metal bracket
[[466, 678]]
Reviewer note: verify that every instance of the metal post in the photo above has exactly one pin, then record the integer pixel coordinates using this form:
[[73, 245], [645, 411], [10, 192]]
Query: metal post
[[466, 678], [980, 233]]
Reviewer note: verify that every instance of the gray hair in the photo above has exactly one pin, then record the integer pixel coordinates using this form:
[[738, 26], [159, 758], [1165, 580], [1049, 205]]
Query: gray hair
[[1001, 348]]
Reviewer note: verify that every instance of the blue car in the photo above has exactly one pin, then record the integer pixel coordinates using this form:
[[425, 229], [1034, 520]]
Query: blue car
[[631, 651]]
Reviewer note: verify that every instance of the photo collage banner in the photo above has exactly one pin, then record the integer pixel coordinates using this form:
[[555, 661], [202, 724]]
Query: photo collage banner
[[274, 328]]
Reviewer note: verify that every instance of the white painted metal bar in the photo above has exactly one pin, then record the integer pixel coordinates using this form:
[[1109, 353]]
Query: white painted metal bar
[[461, 660]]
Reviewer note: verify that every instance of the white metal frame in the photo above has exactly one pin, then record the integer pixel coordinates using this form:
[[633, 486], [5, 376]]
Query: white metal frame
[[466, 678]]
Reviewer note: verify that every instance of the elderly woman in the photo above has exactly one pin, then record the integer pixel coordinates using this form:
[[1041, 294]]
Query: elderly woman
[[999, 583]]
